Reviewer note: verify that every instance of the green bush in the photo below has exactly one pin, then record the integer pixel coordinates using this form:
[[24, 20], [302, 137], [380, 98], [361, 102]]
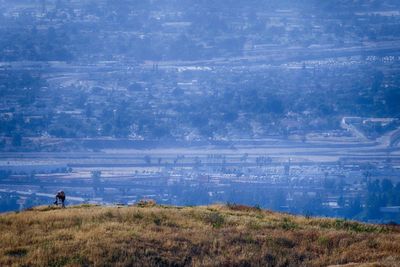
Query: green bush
[[215, 219]]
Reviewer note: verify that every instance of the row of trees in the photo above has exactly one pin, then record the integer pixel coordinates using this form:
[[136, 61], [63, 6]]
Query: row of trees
[[381, 194]]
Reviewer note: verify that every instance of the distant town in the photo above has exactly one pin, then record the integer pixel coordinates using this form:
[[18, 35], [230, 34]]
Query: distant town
[[288, 107]]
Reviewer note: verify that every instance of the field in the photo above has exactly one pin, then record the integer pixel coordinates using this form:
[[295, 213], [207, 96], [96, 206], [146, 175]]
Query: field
[[218, 235]]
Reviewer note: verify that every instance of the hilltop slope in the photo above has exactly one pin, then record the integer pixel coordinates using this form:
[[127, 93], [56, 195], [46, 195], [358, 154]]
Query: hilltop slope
[[197, 236]]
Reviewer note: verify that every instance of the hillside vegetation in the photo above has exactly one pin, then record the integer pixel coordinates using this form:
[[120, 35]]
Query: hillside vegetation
[[219, 235]]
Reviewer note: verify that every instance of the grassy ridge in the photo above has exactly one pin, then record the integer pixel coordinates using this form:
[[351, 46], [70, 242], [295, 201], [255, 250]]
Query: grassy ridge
[[216, 235]]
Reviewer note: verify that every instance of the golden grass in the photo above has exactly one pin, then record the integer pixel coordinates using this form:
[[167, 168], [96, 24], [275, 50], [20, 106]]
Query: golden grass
[[151, 235]]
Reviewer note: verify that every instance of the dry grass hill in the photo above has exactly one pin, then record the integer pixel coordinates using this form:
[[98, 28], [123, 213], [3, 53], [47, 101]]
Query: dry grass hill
[[219, 235]]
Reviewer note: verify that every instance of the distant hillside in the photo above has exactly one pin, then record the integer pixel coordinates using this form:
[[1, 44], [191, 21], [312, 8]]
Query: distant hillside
[[150, 235]]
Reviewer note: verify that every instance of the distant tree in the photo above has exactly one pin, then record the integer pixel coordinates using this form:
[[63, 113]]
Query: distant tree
[[96, 179], [373, 205], [16, 140], [230, 116], [377, 82], [392, 99], [244, 157], [341, 202], [2, 143], [88, 110], [58, 132], [95, 174], [354, 207], [147, 159], [386, 185], [374, 186], [329, 184], [160, 132], [178, 92], [135, 87]]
